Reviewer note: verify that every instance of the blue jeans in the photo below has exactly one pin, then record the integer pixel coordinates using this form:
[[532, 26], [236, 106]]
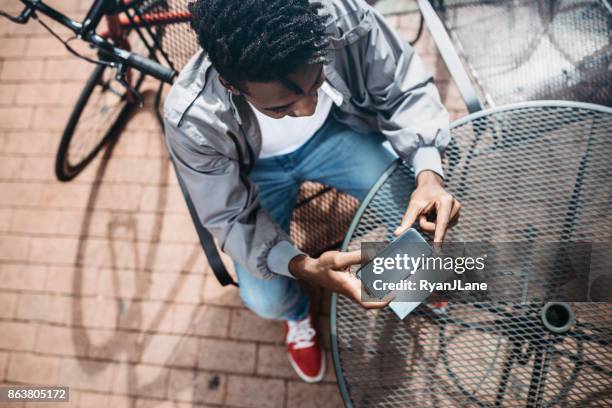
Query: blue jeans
[[336, 156]]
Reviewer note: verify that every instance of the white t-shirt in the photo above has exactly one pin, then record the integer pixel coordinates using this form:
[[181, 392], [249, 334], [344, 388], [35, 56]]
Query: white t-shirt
[[285, 135]]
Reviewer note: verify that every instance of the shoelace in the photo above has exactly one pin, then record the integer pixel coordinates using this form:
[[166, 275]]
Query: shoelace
[[301, 334]]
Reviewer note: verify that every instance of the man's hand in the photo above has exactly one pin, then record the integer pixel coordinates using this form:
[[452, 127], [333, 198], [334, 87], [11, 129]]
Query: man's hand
[[330, 270], [428, 197]]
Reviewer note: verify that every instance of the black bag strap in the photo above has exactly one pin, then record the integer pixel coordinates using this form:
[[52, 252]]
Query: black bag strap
[[206, 239]]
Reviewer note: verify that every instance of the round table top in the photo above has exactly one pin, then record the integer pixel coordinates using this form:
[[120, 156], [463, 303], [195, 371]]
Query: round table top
[[537, 171]]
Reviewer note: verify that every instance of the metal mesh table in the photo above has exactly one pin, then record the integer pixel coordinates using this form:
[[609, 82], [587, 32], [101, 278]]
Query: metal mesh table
[[523, 50], [534, 171]]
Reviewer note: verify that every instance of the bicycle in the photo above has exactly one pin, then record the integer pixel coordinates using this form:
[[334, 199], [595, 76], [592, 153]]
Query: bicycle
[[112, 90]]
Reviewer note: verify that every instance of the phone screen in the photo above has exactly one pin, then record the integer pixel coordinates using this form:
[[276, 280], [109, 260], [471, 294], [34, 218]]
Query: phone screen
[[410, 243]]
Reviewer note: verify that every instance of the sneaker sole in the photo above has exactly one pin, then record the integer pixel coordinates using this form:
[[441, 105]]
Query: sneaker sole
[[305, 377]]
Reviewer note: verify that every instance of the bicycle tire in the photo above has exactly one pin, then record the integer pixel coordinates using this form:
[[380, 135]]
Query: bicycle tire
[[65, 169]]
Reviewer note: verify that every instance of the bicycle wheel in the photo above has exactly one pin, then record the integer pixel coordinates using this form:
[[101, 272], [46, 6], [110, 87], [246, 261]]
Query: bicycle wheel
[[97, 115]]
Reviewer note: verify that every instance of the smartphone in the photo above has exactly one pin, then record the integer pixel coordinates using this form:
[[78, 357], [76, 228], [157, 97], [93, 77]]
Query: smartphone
[[410, 243]]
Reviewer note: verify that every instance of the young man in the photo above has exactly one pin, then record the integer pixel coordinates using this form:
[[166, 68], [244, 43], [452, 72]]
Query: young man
[[295, 91]]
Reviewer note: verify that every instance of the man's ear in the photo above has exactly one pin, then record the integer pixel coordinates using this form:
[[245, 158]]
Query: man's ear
[[229, 86]]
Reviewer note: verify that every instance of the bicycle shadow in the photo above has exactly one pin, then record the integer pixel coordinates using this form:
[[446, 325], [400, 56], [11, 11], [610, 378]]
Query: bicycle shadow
[[124, 246]]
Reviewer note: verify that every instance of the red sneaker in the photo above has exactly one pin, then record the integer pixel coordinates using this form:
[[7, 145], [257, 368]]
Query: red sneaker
[[304, 350]]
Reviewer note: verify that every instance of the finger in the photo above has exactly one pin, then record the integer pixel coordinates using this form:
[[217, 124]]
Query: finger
[[455, 212], [355, 292], [375, 305], [442, 219], [409, 218], [345, 259], [426, 225]]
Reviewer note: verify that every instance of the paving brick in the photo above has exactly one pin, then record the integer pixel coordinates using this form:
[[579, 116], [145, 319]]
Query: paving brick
[[8, 304], [124, 284], [61, 340], [137, 170], [14, 248], [302, 395], [170, 350], [55, 195], [120, 401], [272, 361], [141, 380], [37, 169], [226, 355], [144, 119], [116, 345], [15, 117], [22, 277], [51, 118], [91, 399], [246, 325], [6, 216], [31, 142], [95, 312], [104, 253], [197, 386], [67, 69], [87, 374], [178, 228], [39, 93], [156, 403], [33, 369], [17, 195], [35, 221], [4, 356], [18, 70], [171, 257], [8, 92], [215, 294], [133, 144], [54, 250], [44, 47], [17, 335], [151, 316], [10, 167], [255, 392], [185, 288], [72, 223], [71, 279], [43, 307], [108, 193], [208, 321]]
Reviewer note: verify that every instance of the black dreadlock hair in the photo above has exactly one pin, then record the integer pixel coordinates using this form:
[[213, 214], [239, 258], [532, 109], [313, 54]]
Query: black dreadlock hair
[[259, 40]]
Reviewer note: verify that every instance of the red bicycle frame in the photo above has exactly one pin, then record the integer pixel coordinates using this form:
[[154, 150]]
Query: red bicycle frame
[[119, 24]]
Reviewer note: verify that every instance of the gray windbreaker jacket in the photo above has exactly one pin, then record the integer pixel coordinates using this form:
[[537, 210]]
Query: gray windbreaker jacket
[[380, 84]]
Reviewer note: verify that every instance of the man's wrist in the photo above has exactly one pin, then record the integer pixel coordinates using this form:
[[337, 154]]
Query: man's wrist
[[429, 176]]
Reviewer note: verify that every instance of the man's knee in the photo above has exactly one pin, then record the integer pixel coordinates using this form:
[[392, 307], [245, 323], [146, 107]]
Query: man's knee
[[269, 299]]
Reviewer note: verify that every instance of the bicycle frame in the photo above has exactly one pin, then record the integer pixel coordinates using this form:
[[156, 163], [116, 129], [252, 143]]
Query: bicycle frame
[[118, 20]]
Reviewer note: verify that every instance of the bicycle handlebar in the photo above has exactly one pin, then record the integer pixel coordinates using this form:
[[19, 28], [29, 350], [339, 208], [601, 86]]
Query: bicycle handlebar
[[148, 66]]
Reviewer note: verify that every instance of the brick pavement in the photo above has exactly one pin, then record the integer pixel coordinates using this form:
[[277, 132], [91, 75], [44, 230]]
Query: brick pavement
[[103, 287]]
